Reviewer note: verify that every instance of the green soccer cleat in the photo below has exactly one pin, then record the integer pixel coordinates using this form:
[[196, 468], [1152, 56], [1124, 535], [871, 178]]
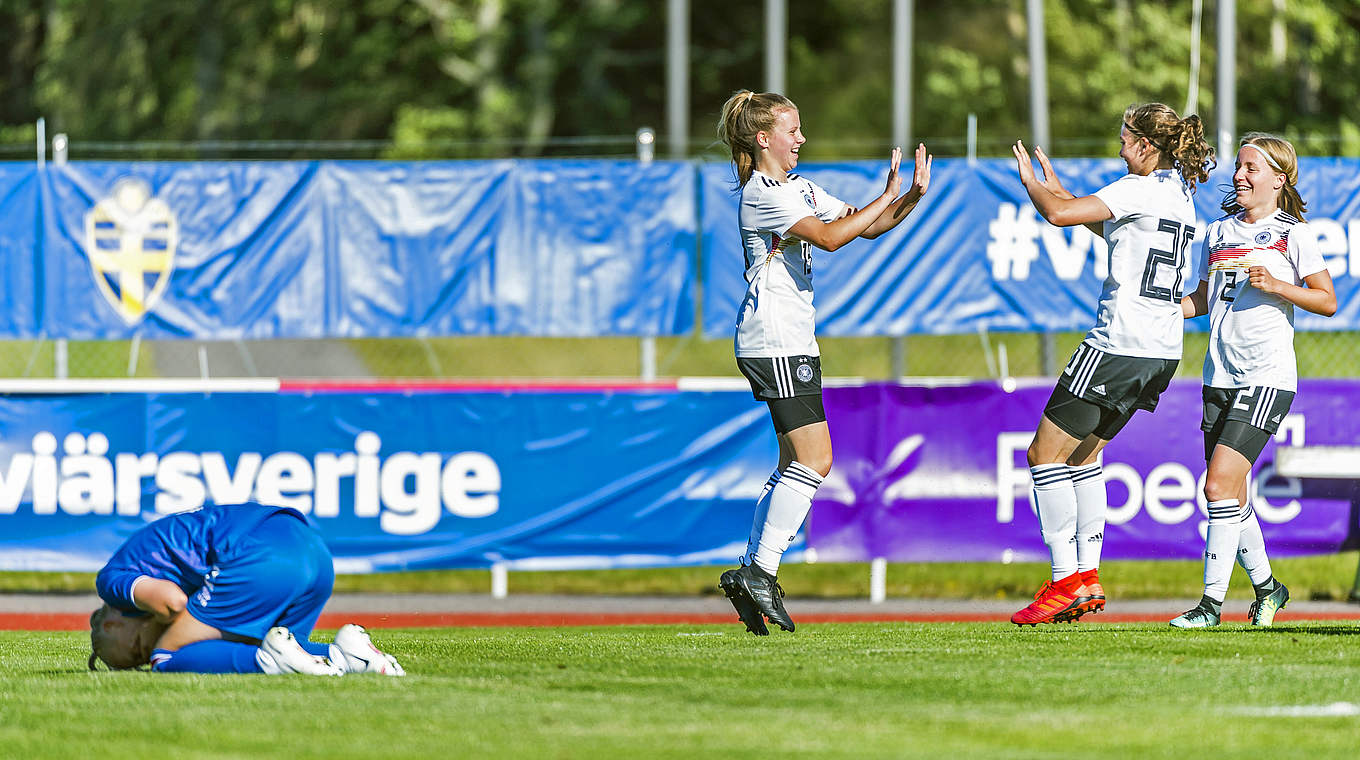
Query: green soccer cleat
[[1198, 617], [1263, 610]]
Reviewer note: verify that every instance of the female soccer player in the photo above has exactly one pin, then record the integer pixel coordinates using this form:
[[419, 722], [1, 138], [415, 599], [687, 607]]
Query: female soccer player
[[1260, 261], [225, 589], [1148, 220], [782, 216]]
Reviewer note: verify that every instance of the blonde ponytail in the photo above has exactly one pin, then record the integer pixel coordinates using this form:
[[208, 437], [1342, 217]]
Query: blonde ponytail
[[743, 115]]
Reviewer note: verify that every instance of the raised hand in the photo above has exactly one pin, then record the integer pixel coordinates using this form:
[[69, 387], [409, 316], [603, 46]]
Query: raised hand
[[920, 181], [894, 187], [1022, 163], [1050, 179]]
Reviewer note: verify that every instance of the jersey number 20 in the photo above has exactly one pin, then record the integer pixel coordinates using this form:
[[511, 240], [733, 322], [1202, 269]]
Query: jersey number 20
[[1181, 235]]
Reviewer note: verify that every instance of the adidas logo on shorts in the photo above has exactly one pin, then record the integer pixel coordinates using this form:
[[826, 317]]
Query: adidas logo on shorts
[[1098, 389]]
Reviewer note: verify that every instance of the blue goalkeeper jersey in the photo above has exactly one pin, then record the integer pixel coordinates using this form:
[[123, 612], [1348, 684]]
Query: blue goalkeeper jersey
[[184, 548]]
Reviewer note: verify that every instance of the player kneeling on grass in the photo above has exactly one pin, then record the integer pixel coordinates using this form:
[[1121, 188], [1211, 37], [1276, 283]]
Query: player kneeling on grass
[[225, 589]]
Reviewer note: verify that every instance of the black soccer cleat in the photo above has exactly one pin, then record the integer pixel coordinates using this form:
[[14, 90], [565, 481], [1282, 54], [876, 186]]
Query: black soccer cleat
[[764, 590], [744, 604]]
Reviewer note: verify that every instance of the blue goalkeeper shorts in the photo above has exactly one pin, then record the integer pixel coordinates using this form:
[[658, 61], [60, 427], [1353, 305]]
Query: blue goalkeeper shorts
[[280, 573]]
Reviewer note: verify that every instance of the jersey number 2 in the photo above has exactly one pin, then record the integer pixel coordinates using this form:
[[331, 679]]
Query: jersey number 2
[[1230, 284], [1181, 235]]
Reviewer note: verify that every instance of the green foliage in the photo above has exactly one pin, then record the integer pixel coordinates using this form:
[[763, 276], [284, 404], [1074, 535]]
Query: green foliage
[[438, 78]]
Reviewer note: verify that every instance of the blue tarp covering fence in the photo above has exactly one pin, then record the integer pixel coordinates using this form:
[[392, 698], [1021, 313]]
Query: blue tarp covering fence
[[224, 250]]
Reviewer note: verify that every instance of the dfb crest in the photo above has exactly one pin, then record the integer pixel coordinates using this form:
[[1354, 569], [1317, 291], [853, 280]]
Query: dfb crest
[[130, 239]]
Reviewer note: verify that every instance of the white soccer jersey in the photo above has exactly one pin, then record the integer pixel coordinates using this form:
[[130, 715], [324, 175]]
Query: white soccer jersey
[[776, 317], [1149, 240], [1251, 334]]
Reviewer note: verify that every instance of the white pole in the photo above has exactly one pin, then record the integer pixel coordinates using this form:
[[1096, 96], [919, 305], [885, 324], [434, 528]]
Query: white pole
[[972, 139], [776, 29], [42, 142], [878, 580], [133, 353], [1038, 75], [646, 150], [60, 359], [1192, 91], [902, 18], [500, 580], [1227, 80], [677, 77]]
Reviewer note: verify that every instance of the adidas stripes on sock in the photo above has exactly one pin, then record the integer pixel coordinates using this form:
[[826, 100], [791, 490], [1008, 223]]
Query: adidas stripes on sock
[[790, 500], [1088, 482], [1056, 501], [1251, 548], [758, 521], [1220, 546]]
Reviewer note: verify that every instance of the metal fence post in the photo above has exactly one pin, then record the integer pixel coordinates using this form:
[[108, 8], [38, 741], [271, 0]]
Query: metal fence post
[[60, 360], [646, 151]]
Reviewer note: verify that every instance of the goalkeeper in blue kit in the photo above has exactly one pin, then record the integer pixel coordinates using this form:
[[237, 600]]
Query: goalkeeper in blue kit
[[225, 589]]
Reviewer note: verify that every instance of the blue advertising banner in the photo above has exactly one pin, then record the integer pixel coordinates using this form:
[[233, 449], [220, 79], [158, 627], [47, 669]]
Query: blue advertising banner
[[535, 478], [396, 480], [225, 250], [975, 255]]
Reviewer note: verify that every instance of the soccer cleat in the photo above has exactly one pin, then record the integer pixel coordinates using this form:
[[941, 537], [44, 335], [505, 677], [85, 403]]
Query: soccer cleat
[[1091, 595], [1054, 603], [1199, 617], [1263, 610], [358, 654], [280, 653], [762, 589], [746, 607]]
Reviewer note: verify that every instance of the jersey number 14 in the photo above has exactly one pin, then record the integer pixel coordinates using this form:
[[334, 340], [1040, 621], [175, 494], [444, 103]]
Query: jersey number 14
[[1181, 235]]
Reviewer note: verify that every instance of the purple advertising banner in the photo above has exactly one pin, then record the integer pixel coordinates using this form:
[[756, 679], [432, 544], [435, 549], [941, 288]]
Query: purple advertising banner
[[939, 474]]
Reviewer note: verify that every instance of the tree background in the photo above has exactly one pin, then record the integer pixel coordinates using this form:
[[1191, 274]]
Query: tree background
[[477, 78]]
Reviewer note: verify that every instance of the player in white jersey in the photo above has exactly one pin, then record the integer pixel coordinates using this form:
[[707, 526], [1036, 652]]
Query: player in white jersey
[[1147, 219], [1260, 261], [782, 216]]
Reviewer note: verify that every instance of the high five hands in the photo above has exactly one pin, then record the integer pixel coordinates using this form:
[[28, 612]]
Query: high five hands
[[1049, 181], [920, 180]]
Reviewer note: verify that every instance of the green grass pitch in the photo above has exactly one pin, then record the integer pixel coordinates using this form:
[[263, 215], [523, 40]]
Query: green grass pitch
[[833, 690]]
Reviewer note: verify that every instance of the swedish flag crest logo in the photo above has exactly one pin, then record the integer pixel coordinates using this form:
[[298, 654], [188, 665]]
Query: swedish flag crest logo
[[130, 238]]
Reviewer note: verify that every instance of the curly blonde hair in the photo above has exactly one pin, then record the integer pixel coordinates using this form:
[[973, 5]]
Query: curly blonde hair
[[1181, 140]]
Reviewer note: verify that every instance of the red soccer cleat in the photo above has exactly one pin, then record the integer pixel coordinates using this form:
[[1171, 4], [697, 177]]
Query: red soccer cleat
[[1091, 595], [1056, 602]]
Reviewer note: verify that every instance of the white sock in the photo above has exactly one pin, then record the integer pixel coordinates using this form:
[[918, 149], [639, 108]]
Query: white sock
[[1220, 547], [1251, 548], [758, 521], [790, 501], [1088, 481], [1057, 504]]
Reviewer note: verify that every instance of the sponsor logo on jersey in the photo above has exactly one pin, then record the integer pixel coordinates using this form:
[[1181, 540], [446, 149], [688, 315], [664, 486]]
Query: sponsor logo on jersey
[[130, 239]]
